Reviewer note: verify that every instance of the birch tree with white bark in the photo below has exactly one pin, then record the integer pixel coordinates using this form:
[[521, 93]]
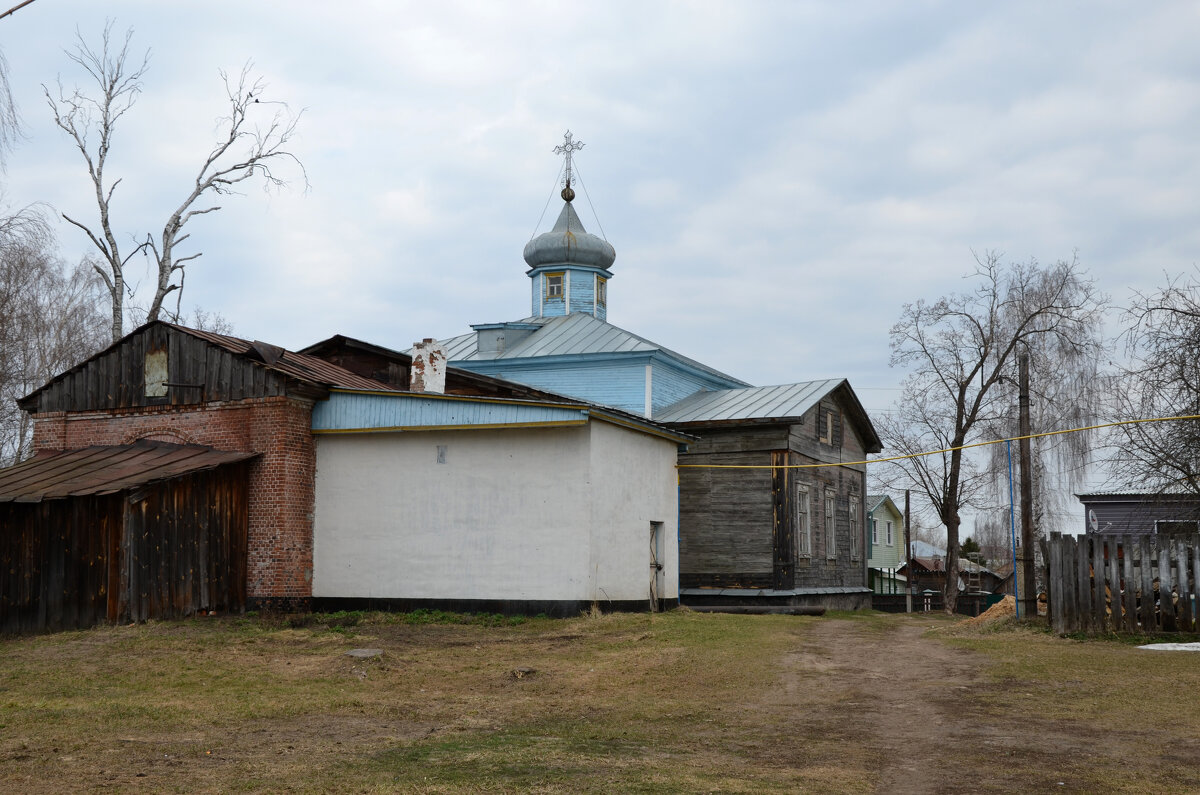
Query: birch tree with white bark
[[252, 142]]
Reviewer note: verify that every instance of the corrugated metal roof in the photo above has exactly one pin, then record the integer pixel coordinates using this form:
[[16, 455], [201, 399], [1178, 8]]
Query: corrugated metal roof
[[750, 403], [296, 365], [104, 470], [570, 335]]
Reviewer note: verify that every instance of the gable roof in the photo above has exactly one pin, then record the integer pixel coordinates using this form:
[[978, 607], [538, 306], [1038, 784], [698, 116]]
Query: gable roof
[[875, 501], [104, 470], [780, 403], [311, 373], [570, 335], [299, 366]]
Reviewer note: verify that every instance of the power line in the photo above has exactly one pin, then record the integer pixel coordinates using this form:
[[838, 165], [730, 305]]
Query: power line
[[937, 452]]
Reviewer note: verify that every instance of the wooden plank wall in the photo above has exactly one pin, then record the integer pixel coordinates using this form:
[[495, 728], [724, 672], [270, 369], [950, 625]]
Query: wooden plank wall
[[198, 372], [165, 551], [1123, 583], [54, 557]]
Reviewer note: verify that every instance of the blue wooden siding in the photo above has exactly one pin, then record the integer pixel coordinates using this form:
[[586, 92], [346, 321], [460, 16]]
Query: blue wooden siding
[[619, 382], [582, 295], [550, 307], [671, 384], [345, 411]]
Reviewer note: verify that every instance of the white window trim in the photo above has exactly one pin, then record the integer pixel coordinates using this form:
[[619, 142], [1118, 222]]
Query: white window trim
[[855, 529], [830, 525], [803, 523], [890, 535], [874, 531]]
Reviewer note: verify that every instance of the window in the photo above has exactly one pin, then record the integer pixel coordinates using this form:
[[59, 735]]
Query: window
[[154, 373], [825, 428], [554, 285], [889, 533], [830, 529], [874, 531], [855, 533], [803, 528], [601, 291]]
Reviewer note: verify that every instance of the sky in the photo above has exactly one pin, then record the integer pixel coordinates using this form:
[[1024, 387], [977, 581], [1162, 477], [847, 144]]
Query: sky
[[778, 178]]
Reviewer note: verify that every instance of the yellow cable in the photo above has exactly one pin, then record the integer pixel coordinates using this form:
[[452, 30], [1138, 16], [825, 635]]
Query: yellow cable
[[935, 452]]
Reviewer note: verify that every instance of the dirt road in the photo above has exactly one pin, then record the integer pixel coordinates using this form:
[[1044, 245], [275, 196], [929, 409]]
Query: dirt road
[[916, 706]]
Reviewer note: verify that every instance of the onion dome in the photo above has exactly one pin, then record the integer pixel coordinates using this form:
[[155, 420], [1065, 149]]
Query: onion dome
[[568, 243]]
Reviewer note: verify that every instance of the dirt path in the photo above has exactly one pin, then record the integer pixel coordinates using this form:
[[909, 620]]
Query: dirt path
[[908, 696]]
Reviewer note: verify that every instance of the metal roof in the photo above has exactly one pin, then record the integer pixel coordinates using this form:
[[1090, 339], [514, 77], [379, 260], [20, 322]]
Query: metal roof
[[570, 335], [104, 470], [751, 403], [300, 366]]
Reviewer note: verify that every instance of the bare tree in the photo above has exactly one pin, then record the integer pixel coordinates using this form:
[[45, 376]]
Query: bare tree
[[962, 350], [1163, 341], [245, 149]]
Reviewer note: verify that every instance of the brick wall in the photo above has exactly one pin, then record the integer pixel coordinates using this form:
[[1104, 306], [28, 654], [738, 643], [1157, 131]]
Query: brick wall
[[279, 569]]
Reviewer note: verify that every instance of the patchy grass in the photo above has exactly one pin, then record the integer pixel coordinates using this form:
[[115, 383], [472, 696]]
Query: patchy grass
[[674, 702], [266, 703]]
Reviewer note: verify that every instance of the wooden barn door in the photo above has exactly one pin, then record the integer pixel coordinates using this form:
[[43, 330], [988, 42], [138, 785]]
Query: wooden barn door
[[184, 546]]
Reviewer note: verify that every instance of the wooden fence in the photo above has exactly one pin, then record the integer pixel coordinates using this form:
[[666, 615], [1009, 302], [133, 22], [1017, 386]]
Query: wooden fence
[[1143, 583]]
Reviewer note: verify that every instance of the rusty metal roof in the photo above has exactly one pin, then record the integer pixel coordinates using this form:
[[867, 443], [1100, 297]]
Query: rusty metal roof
[[104, 470], [296, 365]]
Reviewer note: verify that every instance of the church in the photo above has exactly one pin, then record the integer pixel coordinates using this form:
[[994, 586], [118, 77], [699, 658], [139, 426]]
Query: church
[[772, 491]]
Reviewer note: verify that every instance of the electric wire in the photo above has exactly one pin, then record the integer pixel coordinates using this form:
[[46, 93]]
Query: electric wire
[[588, 196], [549, 199], [938, 452]]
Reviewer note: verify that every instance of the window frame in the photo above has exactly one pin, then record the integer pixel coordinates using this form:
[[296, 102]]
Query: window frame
[[601, 291], [853, 509], [830, 524], [547, 282], [890, 535], [803, 517]]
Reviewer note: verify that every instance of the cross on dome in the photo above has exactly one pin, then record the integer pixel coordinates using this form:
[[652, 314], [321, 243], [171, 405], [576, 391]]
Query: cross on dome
[[567, 149]]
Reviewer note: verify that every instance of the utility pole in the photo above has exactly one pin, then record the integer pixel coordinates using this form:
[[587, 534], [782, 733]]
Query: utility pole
[[1028, 595], [908, 590]]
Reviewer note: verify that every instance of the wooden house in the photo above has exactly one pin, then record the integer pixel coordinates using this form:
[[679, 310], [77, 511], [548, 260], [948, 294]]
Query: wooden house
[[886, 535], [772, 495], [1139, 513]]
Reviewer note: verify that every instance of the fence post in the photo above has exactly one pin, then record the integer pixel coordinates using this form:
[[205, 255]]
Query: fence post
[[1147, 593], [1112, 550], [1128, 587], [1166, 608], [1099, 582], [1054, 584], [1083, 585], [1185, 583]]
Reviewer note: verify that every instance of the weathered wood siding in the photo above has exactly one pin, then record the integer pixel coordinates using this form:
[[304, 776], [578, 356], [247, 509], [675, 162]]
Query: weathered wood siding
[[197, 372], [163, 551], [738, 526]]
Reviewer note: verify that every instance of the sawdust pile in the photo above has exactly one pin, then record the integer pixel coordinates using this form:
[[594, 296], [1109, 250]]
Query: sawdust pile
[[1005, 608]]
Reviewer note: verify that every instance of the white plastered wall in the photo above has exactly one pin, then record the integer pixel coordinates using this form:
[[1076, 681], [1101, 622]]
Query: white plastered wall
[[634, 483], [516, 514]]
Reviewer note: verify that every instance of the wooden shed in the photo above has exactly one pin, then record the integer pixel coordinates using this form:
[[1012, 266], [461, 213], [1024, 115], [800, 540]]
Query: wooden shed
[[121, 533]]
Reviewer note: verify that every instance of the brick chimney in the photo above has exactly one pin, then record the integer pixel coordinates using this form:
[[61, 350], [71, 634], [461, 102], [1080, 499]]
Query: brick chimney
[[428, 367]]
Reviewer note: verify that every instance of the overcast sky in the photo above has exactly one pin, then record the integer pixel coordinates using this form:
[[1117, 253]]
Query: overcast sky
[[778, 178]]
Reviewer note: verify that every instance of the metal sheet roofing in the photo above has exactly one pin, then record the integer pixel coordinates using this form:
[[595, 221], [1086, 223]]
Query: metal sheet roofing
[[104, 470], [570, 335], [295, 365], [750, 403]]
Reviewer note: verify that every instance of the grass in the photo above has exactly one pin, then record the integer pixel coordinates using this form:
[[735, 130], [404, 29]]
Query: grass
[[674, 702]]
